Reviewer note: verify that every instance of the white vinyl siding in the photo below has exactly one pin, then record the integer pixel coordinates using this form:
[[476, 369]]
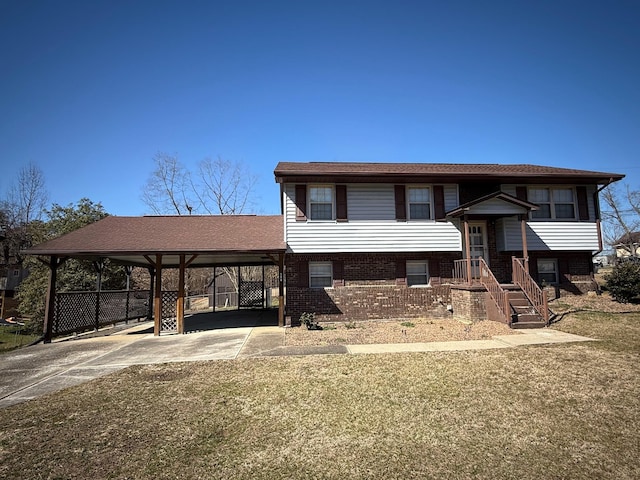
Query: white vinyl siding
[[450, 197], [372, 227], [543, 236], [371, 202]]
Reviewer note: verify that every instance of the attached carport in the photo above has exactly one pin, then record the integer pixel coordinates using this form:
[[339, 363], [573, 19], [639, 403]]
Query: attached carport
[[161, 242]]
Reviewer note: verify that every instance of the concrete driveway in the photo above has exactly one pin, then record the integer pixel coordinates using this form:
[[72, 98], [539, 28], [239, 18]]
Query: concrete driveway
[[34, 371]]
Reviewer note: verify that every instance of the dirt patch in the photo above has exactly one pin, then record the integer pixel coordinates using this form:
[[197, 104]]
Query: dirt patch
[[405, 331]]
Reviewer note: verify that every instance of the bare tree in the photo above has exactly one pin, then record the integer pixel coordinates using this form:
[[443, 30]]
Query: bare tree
[[621, 218], [24, 204], [219, 187], [168, 189], [225, 187]]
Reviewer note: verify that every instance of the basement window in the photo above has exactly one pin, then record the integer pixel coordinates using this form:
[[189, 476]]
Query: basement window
[[548, 271], [417, 273], [320, 274]]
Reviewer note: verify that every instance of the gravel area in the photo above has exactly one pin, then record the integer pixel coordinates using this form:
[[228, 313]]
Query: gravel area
[[399, 331]]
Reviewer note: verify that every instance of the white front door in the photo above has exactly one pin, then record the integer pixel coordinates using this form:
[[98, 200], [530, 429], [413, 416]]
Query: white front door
[[478, 245]]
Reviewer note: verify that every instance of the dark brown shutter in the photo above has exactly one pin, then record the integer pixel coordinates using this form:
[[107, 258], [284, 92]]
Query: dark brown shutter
[[303, 274], [583, 206], [341, 203], [521, 192], [338, 273], [401, 272], [438, 201], [434, 267], [301, 203], [401, 207]]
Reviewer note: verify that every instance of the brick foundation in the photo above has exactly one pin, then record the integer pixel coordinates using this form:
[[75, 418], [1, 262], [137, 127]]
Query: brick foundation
[[369, 288]]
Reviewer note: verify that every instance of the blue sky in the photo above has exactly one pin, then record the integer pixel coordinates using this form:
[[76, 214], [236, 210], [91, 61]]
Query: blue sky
[[92, 90]]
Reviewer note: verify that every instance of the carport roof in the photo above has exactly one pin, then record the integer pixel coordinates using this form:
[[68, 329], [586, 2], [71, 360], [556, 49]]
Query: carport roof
[[215, 239]]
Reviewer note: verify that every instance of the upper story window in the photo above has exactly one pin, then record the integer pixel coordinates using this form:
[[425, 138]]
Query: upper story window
[[320, 203], [555, 203], [419, 203], [320, 274], [417, 273]]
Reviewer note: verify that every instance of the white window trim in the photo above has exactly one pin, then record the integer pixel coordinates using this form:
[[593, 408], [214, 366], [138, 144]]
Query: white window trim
[[408, 202], [333, 203], [311, 276], [555, 267], [552, 209], [418, 285]]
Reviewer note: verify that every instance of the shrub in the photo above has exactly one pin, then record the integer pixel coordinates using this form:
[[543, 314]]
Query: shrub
[[624, 282]]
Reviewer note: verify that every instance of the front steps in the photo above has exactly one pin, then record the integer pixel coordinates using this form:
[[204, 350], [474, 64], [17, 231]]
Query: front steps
[[523, 314]]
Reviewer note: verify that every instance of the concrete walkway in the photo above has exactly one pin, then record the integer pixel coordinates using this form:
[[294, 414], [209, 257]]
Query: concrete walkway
[[41, 369]]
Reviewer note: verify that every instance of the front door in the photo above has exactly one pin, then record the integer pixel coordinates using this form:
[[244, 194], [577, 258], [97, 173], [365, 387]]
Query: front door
[[478, 245]]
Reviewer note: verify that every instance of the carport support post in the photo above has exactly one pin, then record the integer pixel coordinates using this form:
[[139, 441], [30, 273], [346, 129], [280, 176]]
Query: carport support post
[[53, 264], [157, 299], [180, 301], [281, 289]]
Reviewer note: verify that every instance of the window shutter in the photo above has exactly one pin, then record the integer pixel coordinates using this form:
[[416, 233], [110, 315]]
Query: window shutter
[[301, 203], [303, 274], [401, 207], [341, 203], [338, 273], [583, 206], [521, 192], [434, 267], [438, 201], [401, 272]]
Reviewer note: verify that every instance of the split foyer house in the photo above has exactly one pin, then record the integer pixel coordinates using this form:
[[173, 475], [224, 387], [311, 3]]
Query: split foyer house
[[360, 241], [383, 240]]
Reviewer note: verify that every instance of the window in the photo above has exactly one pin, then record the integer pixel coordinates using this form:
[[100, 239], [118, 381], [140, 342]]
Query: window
[[419, 203], [321, 203], [417, 273], [320, 274], [554, 203], [548, 270]]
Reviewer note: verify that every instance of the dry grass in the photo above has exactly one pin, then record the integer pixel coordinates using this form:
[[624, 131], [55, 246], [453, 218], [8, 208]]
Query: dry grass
[[567, 411], [407, 331]]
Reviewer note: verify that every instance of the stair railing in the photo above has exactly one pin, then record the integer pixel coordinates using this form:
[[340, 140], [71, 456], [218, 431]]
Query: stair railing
[[530, 288], [499, 296]]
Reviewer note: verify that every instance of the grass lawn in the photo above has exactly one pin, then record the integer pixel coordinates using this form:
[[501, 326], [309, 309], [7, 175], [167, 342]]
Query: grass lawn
[[565, 411], [12, 337]]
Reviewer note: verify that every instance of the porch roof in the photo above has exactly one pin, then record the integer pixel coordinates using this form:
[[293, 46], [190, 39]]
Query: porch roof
[[494, 204], [212, 239]]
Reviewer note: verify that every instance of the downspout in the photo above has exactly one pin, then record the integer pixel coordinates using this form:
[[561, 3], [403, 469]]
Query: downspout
[[596, 201]]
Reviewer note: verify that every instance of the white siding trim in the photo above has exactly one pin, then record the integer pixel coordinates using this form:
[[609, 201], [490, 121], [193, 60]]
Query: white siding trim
[[547, 236]]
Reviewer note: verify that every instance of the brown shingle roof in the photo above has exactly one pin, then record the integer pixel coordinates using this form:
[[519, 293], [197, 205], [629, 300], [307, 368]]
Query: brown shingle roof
[[434, 170], [170, 234]]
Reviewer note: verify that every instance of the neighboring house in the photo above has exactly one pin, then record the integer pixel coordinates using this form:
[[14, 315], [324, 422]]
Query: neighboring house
[[10, 278], [628, 246], [381, 240]]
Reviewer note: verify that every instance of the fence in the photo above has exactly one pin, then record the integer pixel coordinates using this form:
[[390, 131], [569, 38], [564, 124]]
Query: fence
[[80, 311]]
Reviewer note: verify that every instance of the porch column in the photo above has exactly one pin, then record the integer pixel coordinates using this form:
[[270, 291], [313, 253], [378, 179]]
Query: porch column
[[525, 251], [180, 301], [49, 313], [465, 223], [281, 289], [157, 299], [152, 280]]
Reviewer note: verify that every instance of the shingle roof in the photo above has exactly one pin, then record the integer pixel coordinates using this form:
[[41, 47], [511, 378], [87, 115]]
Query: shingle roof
[[323, 169], [170, 234]]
